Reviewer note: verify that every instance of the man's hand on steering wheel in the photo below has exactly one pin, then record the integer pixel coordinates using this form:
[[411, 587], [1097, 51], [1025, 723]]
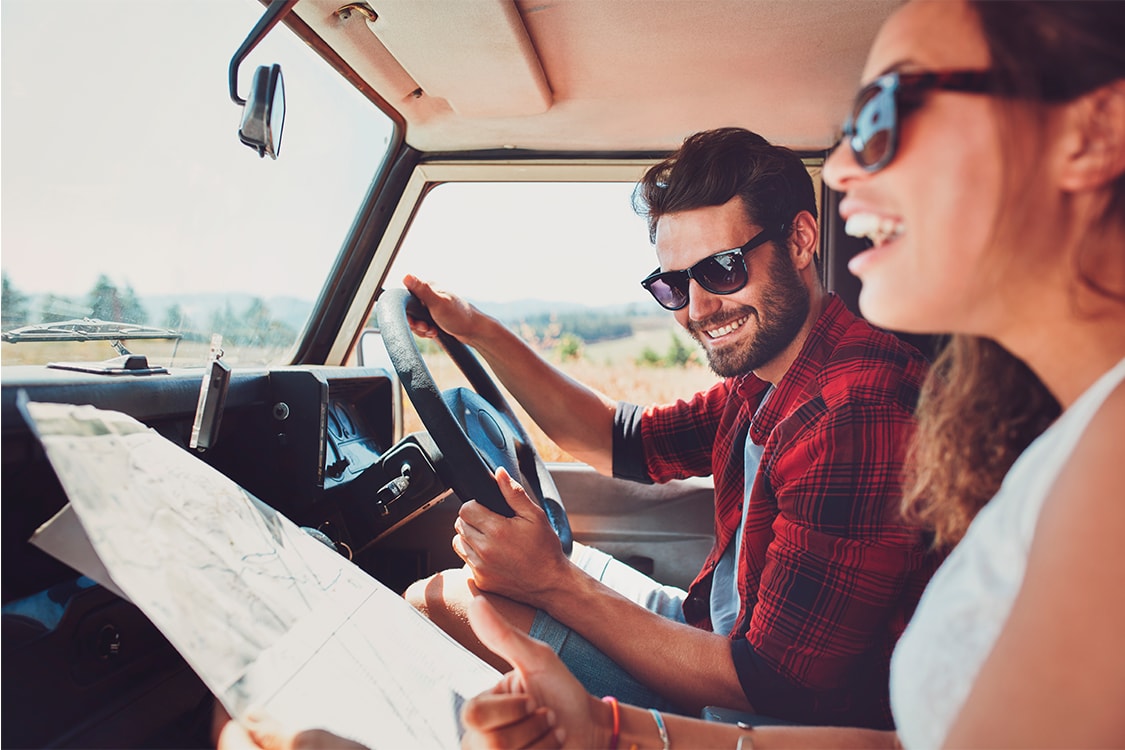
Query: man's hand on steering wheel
[[475, 429], [499, 550], [449, 312]]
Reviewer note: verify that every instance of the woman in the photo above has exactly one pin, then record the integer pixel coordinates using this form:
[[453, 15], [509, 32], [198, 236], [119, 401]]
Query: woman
[[985, 159]]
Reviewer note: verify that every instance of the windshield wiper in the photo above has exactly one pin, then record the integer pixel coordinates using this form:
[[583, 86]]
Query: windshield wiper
[[88, 329], [91, 329]]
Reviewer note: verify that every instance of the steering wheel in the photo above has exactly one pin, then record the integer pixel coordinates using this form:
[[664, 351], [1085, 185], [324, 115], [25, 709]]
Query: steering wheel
[[476, 431]]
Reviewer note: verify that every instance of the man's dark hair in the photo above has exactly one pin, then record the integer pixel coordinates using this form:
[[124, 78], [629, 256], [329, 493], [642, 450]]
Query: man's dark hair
[[714, 166]]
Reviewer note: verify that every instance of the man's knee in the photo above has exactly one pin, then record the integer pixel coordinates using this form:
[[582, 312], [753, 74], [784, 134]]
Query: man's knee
[[444, 599], [442, 596], [415, 594]]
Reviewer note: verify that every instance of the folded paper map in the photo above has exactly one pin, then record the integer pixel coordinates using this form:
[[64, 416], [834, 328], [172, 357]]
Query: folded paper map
[[268, 617]]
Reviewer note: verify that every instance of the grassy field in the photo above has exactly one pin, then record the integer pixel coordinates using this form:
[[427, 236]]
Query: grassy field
[[610, 367], [160, 352]]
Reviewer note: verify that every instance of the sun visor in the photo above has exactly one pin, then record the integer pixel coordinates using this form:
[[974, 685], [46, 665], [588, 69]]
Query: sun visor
[[475, 54]]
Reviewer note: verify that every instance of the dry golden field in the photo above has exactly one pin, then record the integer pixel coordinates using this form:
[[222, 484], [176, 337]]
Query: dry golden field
[[160, 352], [610, 367]]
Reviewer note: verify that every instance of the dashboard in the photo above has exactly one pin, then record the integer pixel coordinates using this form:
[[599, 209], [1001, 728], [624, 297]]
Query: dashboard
[[84, 668]]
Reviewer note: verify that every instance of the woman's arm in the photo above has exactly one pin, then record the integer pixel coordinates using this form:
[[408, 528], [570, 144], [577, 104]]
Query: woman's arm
[[558, 712]]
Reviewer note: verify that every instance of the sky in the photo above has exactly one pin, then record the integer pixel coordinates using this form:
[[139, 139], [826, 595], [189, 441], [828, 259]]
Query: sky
[[119, 155], [502, 242], [120, 151]]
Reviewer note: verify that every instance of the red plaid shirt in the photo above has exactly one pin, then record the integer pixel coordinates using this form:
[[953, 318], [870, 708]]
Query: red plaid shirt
[[829, 572]]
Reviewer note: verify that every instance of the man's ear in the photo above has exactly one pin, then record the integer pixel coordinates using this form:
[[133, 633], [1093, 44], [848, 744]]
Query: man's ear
[[1094, 139], [806, 239]]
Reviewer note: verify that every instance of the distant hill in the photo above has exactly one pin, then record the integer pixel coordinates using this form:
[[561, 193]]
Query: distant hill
[[200, 307], [293, 312], [531, 308], [551, 323]]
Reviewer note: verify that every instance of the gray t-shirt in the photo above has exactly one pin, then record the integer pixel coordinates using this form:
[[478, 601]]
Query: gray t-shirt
[[725, 601]]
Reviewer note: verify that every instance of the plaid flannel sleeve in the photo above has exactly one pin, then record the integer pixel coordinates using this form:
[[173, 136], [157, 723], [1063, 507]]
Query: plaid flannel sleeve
[[673, 441]]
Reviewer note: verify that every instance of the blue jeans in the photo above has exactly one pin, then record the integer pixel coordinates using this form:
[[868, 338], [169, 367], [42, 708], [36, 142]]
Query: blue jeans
[[599, 674]]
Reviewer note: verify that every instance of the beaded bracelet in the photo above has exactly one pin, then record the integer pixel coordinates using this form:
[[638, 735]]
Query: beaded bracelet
[[616, 736]]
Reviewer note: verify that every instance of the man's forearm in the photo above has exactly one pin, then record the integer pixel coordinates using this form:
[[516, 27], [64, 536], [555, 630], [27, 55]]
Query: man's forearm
[[578, 418], [691, 667]]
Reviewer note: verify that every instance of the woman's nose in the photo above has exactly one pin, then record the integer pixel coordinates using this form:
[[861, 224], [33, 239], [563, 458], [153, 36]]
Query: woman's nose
[[840, 167]]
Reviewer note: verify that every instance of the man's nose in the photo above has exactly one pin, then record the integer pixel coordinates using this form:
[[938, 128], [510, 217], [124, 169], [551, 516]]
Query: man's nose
[[701, 303]]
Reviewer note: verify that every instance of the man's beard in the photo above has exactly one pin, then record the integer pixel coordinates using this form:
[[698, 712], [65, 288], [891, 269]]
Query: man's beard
[[785, 301]]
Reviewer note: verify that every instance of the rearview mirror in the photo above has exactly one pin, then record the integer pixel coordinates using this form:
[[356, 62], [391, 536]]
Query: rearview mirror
[[263, 114]]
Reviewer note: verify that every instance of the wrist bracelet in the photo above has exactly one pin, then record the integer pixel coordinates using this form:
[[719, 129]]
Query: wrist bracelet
[[616, 736], [744, 741], [661, 728]]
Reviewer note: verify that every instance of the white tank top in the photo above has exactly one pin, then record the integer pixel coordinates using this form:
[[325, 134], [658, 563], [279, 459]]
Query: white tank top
[[968, 600]]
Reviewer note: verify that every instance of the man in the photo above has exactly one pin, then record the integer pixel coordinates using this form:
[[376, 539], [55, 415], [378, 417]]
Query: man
[[813, 574]]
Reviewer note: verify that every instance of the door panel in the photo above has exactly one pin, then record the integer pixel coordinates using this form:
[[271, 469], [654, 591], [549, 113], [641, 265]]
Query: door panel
[[666, 530]]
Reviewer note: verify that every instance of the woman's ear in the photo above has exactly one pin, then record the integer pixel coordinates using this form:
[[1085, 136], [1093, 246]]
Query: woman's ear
[[1093, 139]]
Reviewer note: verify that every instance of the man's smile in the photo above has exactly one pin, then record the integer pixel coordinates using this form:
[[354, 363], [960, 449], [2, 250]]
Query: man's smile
[[719, 326], [714, 333]]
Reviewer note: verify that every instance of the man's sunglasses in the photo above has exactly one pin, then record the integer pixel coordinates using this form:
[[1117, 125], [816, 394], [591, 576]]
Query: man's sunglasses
[[721, 273], [872, 129]]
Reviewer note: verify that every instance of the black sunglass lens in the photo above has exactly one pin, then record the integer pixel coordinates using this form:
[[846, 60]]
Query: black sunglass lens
[[670, 294], [722, 274]]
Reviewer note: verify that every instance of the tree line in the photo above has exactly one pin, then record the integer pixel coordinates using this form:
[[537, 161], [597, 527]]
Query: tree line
[[107, 302]]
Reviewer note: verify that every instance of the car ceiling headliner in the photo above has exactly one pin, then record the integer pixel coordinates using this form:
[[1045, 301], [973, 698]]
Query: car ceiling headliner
[[603, 75]]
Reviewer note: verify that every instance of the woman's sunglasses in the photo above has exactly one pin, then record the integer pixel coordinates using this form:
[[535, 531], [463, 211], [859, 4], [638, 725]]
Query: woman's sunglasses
[[721, 273], [872, 129]]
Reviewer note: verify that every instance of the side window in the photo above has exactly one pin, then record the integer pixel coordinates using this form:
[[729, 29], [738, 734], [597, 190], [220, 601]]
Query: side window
[[561, 264]]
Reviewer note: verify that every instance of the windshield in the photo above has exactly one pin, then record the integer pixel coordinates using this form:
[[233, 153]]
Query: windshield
[[569, 288], [133, 218]]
